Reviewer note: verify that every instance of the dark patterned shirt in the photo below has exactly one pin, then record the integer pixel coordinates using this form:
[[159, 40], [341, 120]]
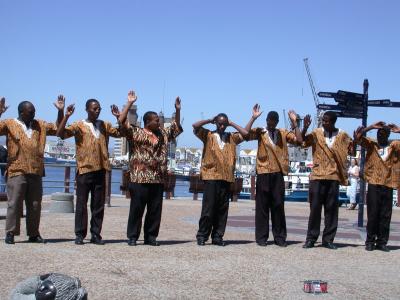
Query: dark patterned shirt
[[148, 162]]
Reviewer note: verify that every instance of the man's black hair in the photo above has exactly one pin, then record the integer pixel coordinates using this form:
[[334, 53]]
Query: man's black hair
[[22, 105], [147, 115], [222, 115], [273, 115], [331, 115], [90, 101]]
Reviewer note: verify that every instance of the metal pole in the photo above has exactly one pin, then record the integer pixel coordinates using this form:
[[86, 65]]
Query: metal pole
[[362, 162], [67, 178]]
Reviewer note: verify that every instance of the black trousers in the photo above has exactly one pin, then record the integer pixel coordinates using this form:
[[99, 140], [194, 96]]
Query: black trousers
[[379, 212], [214, 209], [270, 197], [142, 195], [93, 183], [323, 193]]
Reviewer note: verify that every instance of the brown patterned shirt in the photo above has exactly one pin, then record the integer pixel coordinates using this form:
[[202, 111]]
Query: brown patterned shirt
[[328, 163], [91, 144], [217, 163], [148, 163], [25, 155], [272, 157], [382, 170]]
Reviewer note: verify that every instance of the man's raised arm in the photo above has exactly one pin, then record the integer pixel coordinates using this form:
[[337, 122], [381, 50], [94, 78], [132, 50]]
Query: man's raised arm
[[61, 126]]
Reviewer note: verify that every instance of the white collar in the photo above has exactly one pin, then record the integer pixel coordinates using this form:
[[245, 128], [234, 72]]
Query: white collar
[[27, 130], [221, 142], [383, 152], [94, 129], [331, 140], [273, 140]]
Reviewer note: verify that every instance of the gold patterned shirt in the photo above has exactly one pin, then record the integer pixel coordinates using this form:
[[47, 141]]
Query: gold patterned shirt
[[91, 144], [219, 157], [26, 145], [329, 163], [382, 168], [272, 156], [148, 162]]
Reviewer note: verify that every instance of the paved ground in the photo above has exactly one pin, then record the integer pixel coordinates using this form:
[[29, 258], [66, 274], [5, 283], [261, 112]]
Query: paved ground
[[181, 269]]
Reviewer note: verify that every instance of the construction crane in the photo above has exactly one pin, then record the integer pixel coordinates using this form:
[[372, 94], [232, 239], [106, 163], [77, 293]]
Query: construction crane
[[314, 93]]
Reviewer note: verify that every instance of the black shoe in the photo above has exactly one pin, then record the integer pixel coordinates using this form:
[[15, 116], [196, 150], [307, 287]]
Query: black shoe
[[97, 240], [218, 242], [132, 242], [369, 247], [36, 239], [201, 242], [9, 238], [151, 243], [329, 246], [383, 248], [308, 244], [79, 240], [262, 244], [281, 243]]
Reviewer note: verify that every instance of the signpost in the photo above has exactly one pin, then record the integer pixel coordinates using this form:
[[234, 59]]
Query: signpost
[[354, 105]]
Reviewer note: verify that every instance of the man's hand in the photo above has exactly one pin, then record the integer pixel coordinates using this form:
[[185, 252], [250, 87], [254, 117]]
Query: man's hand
[[3, 106], [132, 97], [178, 103], [293, 117], [307, 121], [394, 128], [256, 111], [115, 111], [359, 132], [60, 102], [70, 110], [378, 125]]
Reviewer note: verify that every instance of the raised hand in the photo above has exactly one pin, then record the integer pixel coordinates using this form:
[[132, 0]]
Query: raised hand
[[378, 125], [394, 128], [60, 102], [115, 111], [293, 117], [132, 97], [358, 132], [307, 121], [256, 111], [178, 103], [70, 110], [3, 106]]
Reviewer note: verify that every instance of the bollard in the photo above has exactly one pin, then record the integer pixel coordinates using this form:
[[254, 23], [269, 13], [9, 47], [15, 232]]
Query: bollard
[[62, 203]]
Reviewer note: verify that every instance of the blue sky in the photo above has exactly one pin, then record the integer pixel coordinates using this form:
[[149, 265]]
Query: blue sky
[[218, 56]]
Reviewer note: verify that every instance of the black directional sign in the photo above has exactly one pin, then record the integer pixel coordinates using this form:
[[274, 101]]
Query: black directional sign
[[349, 114], [382, 102], [327, 95], [349, 95], [330, 107]]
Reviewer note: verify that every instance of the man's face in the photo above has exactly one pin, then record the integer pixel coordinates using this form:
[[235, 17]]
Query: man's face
[[327, 123], [28, 113], [382, 136], [272, 123], [93, 110], [221, 124], [153, 123]]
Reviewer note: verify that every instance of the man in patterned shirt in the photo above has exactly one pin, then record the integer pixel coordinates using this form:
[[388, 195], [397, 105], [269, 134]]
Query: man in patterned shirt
[[330, 147], [217, 171], [26, 139], [148, 169], [382, 172], [272, 165], [91, 139]]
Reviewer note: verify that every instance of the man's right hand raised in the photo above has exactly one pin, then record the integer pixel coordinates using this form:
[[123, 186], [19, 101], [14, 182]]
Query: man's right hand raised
[[256, 111], [70, 110], [3, 106]]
